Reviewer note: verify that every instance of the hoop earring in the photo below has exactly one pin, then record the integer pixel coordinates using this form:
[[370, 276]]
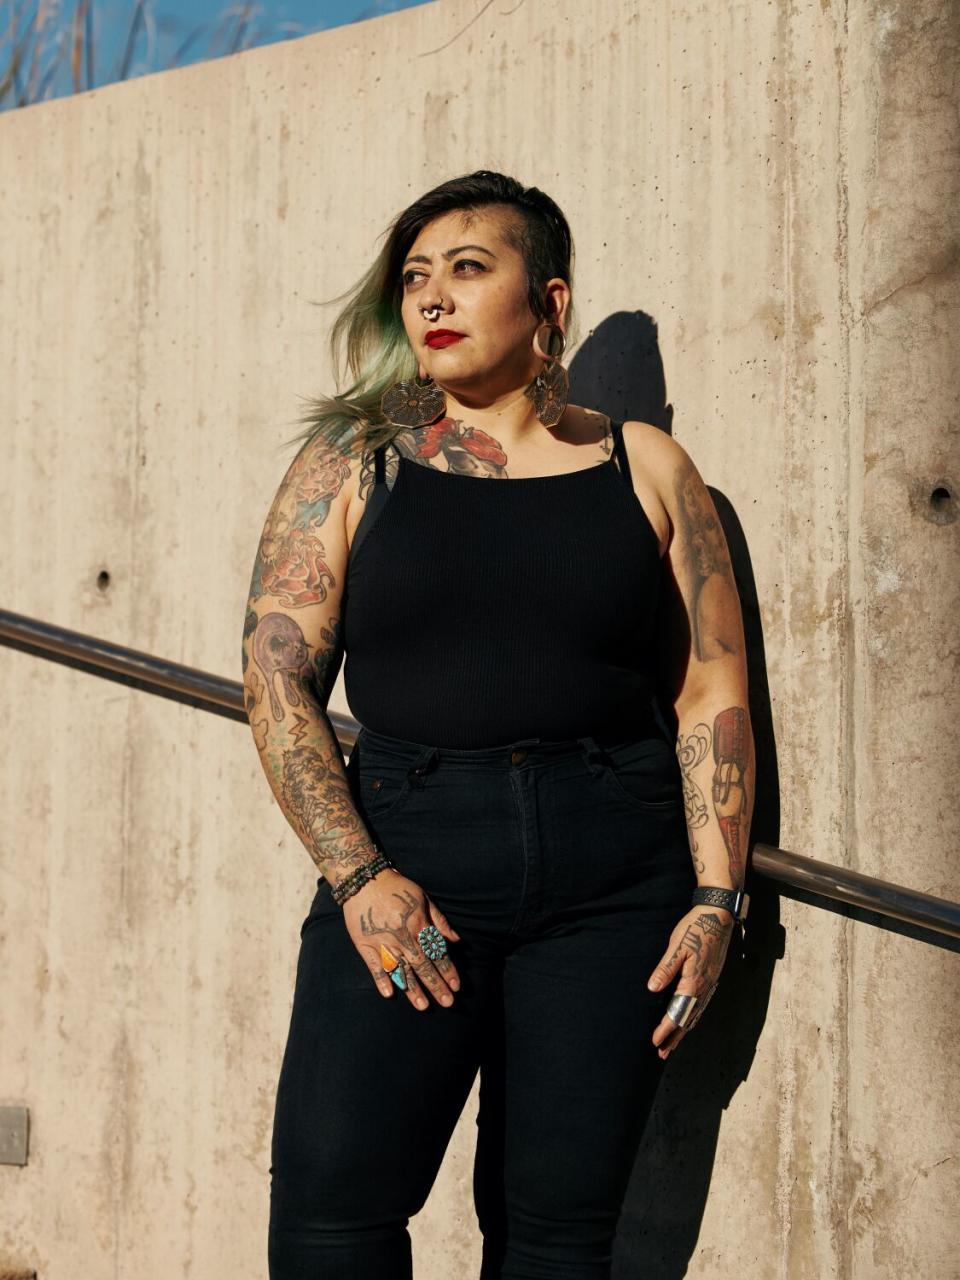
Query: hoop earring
[[550, 389], [413, 403]]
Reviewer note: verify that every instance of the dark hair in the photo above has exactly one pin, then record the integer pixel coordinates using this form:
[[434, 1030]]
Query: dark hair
[[378, 352], [536, 228]]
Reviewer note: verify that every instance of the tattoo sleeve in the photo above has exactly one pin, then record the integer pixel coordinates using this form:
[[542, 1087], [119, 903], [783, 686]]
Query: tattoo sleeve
[[714, 739], [718, 763], [291, 654]]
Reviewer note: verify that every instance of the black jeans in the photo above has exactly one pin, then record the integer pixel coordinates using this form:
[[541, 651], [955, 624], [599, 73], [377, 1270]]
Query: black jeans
[[564, 866]]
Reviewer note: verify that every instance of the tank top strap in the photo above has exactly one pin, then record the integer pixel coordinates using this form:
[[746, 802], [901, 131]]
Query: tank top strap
[[376, 499], [620, 452], [380, 462]]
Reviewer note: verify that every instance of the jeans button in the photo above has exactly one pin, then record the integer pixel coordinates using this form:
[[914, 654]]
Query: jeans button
[[517, 757]]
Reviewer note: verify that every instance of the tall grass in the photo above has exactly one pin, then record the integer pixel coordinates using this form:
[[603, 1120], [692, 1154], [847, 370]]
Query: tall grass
[[50, 48]]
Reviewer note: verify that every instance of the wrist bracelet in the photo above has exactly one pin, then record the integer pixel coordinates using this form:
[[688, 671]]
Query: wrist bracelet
[[733, 900], [358, 877]]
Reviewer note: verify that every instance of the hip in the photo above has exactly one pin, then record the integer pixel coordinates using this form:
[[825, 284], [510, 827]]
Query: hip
[[529, 832]]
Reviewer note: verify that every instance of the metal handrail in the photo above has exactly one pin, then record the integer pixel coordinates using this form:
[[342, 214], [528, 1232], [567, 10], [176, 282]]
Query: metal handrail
[[225, 697], [152, 675]]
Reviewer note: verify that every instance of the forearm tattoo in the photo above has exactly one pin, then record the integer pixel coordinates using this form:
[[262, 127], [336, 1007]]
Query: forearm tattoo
[[287, 682], [316, 798], [731, 757], [691, 749], [712, 605]]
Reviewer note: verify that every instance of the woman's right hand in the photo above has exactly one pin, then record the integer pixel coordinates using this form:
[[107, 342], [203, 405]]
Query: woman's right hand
[[390, 910]]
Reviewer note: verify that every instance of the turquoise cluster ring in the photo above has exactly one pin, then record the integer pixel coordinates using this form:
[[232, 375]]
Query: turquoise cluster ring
[[432, 942]]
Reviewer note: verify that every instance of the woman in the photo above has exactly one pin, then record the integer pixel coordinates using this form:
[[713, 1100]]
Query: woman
[[506, 877]]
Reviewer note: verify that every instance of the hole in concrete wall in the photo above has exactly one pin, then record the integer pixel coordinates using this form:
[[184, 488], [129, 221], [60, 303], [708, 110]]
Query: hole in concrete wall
[[103, 580], [940, 498], [935, 500]]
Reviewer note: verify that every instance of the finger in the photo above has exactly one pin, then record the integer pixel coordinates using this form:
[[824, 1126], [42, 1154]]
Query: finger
[[672, 1039], [682, 958], [667, 1027], [665, 1032], [445, 964], [415, 992], [448, 971], [379, 961], [381, 978], [442, 923], [697, 1013], [668, 1046], [426, 971], [666, 970]]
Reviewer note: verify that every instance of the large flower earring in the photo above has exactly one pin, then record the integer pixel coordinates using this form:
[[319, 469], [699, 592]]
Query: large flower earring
[[413, 403], [550, 389]]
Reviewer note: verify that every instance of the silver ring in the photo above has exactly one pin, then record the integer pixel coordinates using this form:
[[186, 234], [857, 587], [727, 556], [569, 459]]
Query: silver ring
[[680, 1008]]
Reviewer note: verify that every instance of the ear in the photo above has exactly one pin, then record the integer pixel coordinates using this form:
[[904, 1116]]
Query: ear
[[556, 298]]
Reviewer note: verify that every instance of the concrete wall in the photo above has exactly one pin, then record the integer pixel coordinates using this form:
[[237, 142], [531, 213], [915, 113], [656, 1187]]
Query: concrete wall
[[775, 185]]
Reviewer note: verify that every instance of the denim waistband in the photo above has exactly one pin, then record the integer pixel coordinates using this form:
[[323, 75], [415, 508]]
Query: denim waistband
[[520, 752]]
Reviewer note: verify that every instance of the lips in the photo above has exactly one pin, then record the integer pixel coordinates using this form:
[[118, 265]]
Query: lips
[[443, 337]]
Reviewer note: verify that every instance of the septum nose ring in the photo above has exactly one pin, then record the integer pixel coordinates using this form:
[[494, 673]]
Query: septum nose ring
[[431, 313]]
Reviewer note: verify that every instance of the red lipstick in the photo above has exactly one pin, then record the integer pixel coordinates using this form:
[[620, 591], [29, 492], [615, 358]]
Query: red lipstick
[[443, 337]]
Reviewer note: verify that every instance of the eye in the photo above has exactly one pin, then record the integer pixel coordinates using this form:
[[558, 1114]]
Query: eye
[[408, 276]]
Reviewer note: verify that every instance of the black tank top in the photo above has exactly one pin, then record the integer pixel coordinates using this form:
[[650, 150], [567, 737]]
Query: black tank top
[[475, 614]]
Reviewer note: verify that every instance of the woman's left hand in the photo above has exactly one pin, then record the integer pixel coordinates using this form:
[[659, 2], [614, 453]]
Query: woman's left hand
[[697, 950]]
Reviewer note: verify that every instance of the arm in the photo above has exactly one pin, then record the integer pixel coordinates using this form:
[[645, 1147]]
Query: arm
[[292, 653], [292, 650], [703, 678]]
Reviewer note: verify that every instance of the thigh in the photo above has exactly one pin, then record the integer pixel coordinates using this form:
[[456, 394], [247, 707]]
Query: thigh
[[370, 1088], [580, 1068]]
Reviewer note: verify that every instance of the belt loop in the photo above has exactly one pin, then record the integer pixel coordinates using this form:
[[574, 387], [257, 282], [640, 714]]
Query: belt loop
[[594, 754], [426, 761]]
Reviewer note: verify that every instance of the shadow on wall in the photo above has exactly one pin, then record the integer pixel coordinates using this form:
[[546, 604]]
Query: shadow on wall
[[618, 370]]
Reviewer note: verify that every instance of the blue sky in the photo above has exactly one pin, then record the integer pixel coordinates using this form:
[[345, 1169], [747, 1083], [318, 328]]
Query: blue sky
[[169, 32]]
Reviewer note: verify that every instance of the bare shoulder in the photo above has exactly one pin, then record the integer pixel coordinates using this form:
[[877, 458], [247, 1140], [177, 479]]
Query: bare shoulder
[[697, 544], [664, 461]]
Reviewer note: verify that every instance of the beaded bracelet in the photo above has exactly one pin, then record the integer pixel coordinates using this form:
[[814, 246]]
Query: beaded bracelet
[[357, 878]]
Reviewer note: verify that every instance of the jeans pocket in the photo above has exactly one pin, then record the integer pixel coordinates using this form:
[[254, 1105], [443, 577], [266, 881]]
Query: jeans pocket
[[645, 775], [384, 788]]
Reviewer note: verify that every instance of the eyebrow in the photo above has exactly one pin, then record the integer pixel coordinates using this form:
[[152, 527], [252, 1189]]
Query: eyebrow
[[419, 257]]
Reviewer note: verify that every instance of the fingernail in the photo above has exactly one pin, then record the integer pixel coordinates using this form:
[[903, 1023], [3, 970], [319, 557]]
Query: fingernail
[[654, 984], [454, 985]]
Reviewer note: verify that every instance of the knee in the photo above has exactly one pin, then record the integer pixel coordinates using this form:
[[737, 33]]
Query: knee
[[552, 1231]]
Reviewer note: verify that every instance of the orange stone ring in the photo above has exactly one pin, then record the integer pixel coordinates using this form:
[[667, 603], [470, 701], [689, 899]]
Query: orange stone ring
[[394, 967]]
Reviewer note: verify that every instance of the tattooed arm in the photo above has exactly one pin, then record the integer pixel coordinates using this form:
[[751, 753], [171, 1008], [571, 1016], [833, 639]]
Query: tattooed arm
[[292, 653], [703, 678]]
